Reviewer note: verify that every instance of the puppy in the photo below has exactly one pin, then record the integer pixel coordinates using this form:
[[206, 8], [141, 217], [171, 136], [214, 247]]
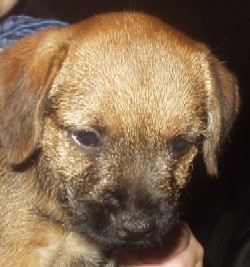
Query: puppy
[[100, 123]]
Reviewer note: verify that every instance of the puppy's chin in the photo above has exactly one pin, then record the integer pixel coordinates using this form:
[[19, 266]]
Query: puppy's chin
[[113, 230]]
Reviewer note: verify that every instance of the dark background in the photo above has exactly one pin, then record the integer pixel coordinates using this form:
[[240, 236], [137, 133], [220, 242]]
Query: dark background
[[225, 26]]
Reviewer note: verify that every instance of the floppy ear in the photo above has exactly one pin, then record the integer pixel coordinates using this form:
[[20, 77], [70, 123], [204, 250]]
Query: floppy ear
[[222, 107], [27, 71]]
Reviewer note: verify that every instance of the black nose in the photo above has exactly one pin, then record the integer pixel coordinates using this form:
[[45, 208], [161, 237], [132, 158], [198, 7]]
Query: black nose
[[135, 228]]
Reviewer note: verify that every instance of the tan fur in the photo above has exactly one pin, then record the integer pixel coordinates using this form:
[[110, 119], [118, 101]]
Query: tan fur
[[139, 81]]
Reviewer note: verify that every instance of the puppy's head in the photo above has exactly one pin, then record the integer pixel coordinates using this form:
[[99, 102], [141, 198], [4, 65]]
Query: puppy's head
[[118, 107]]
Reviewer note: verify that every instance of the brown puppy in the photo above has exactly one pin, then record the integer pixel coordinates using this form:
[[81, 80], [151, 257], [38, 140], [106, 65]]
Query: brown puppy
[[99, 126]]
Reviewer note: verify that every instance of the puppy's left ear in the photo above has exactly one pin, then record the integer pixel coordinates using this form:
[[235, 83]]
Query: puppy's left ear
[[27, 71], [222, 108]]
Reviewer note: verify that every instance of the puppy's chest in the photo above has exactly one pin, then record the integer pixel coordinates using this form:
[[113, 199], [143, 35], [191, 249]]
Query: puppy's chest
[[72, 250], [68, 250]]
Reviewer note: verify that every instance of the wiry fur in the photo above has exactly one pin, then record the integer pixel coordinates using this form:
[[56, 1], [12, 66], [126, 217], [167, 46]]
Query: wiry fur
[[141, 86]]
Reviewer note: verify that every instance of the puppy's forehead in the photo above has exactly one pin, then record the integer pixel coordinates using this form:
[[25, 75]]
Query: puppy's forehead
[[132, 78]]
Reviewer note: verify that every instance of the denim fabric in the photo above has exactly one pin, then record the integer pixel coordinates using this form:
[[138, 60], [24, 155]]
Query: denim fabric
[[16, 27]]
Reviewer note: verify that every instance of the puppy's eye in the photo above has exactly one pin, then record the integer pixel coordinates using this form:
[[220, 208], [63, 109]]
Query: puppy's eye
[[180, 146], [87, 138]]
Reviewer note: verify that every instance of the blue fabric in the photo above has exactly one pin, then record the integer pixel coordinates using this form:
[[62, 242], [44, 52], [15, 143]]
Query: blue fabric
[[16, 27]]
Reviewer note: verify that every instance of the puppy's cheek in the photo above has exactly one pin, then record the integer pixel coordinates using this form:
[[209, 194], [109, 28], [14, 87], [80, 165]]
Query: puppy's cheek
[[63, 166], [184, 167], [63, 156]]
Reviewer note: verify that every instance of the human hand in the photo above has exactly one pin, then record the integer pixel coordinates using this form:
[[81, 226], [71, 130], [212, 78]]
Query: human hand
[[6, 5], [183, 250]]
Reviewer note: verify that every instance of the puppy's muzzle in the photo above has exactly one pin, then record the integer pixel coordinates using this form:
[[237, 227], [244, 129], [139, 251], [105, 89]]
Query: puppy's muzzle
[[132, 220], [133, 224], [134, 227]]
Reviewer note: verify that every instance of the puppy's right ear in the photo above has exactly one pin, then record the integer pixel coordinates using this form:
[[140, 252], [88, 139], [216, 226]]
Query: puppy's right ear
[[27, 72], [223, 103]]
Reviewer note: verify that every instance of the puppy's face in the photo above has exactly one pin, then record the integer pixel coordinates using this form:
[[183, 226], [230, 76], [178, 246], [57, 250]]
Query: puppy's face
[[120, 137], [128, 107]]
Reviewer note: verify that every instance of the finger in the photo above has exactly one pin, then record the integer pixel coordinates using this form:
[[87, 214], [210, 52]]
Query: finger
[[192, 256], [6, 5], [177, 241], [183, 251]]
